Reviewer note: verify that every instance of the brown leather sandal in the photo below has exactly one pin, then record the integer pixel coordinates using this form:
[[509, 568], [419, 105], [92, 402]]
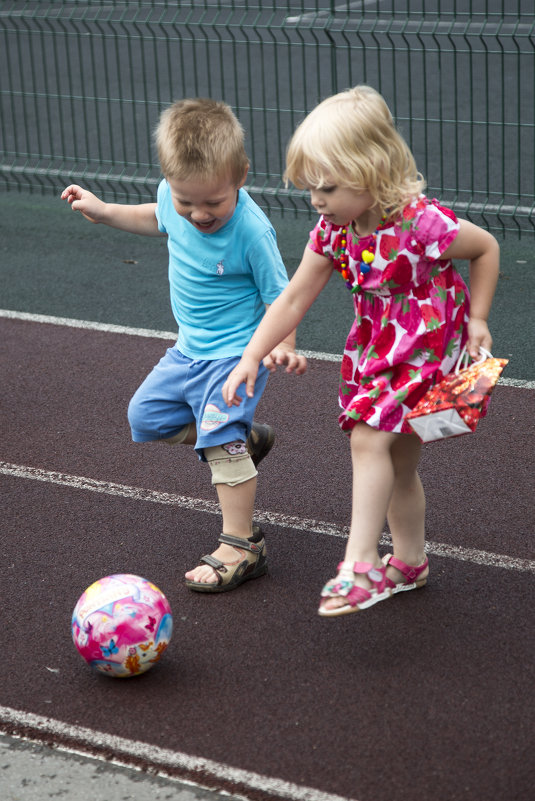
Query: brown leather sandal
[[251, 563]]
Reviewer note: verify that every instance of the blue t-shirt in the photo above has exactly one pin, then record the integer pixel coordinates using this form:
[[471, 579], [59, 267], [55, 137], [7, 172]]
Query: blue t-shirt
[[220, 282]]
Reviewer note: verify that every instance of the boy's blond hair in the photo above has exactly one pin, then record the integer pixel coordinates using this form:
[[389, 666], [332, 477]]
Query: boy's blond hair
[[350, 140], [200, 138]]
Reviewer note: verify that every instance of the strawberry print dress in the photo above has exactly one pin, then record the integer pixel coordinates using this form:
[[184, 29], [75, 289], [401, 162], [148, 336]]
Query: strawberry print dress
[[411, 312]]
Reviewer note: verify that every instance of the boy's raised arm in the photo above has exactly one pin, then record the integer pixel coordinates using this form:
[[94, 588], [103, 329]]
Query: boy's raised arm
[[135, 219]]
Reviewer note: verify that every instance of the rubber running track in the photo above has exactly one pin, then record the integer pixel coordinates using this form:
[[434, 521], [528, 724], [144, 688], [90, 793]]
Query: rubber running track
[[429, 694]]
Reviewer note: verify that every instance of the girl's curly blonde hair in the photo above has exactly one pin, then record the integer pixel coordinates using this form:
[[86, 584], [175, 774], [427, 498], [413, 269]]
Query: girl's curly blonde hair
[[350, 140]]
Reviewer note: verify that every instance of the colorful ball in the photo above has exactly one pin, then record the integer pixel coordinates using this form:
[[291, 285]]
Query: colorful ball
[[121, 625]]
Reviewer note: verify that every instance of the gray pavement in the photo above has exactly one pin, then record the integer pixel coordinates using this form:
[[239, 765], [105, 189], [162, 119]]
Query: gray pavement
[[54, 262], [35, 772]]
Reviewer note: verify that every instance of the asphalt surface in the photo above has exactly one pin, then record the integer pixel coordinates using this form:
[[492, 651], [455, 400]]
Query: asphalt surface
[[54, 262], [429, 693]]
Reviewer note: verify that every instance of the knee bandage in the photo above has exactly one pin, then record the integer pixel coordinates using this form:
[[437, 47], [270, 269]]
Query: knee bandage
[[230, 464], [179, 438]]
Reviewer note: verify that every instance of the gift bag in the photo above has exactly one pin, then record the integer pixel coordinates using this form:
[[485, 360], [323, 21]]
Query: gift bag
[[456, 404]]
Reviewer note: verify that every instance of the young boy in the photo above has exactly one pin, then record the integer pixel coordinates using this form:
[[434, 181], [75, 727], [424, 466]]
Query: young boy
[[224, 271]]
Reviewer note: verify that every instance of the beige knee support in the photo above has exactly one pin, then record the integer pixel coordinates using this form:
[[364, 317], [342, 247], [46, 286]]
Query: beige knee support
[[230, 464], [179, 438]]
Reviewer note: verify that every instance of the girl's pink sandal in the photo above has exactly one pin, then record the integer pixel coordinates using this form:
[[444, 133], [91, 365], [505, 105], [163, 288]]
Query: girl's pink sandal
[[356, 598], [412, 582]]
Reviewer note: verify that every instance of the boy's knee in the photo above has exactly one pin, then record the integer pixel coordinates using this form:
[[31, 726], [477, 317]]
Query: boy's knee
[[182, 436], [135, 418], [142, 425], [230, 464]]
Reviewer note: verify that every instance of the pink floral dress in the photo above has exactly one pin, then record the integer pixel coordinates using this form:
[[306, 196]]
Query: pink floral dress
[[411, 312]]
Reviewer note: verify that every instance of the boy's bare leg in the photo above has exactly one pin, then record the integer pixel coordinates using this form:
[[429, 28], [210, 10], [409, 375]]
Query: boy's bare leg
[[237, 505]]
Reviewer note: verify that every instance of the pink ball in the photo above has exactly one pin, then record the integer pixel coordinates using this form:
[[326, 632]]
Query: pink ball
[[121, 625]]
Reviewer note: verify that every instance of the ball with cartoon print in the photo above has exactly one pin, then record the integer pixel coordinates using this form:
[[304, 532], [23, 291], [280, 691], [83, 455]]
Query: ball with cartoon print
[[121, 625]]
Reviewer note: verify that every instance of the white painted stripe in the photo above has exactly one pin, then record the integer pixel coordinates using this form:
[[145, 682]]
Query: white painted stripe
[[516, 382], [162, 759], [110, 328], [182, 501], [309, 526]]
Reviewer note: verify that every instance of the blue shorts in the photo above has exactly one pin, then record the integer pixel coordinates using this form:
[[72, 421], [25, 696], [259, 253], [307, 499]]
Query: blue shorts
[[180, 390]]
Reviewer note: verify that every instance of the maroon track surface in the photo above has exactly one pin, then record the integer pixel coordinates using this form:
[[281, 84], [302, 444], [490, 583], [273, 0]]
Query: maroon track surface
[[427, 695]]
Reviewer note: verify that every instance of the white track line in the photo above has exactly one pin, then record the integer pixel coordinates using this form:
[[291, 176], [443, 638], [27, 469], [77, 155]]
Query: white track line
[[110, 328], [162, 761], [308, 526]]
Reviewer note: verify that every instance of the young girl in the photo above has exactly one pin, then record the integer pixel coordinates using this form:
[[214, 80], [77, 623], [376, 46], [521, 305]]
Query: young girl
[[393, 248]]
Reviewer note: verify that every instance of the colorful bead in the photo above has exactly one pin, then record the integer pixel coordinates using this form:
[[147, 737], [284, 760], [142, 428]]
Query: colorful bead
[[365, 257]]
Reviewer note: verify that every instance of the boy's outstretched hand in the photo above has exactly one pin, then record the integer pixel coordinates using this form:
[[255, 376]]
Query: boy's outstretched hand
[[247, 369], [285, 354], [85, 202]]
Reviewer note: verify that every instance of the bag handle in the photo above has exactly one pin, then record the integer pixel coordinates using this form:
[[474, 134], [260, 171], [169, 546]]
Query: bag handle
[[465, 357]]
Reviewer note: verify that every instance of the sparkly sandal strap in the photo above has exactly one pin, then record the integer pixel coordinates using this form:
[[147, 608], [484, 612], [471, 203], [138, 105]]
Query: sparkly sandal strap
[[344, 584]]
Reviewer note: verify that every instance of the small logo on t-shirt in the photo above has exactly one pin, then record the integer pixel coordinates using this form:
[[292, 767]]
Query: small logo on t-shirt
[[220, 268]]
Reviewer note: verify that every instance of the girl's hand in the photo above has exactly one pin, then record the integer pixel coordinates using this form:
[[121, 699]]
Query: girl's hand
[[285, 354], [478, 336], [85, 202], [245, 371]]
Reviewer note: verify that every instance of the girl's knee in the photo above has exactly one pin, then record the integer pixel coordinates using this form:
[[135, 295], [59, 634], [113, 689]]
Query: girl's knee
[[364, 438], [406, 453]]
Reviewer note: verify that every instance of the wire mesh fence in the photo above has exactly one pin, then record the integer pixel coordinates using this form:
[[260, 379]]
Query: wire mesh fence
[[82, 84]]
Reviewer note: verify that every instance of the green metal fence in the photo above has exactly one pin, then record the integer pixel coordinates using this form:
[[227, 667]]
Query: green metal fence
[[82, 85]]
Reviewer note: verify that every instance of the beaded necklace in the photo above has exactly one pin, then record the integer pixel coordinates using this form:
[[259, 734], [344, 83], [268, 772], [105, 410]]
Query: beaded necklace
[[365, 255]]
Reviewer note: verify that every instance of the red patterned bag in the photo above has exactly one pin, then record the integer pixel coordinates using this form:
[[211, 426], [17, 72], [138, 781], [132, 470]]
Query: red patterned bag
[[455, 405]]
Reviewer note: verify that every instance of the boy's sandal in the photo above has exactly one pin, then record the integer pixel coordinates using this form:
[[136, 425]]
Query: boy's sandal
[[411, 574], [355, 597], [251, 563]]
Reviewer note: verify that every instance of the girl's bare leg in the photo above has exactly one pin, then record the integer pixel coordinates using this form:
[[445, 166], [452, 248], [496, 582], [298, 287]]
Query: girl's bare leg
[[406, 512], [373, 487]]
